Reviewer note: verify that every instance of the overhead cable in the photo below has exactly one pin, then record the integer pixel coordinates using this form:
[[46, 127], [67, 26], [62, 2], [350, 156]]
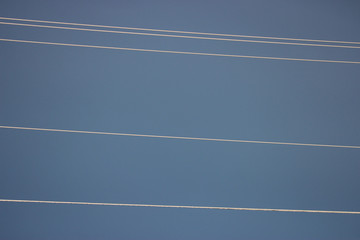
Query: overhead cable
[[178, 206], [180, 36], [179, 52], [177, 137], [174, 31]]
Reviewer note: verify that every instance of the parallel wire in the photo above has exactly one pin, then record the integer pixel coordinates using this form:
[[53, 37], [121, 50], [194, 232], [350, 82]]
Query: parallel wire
[[179, 52], [180, 36], [176, 137], [179, 206], [174, 31]]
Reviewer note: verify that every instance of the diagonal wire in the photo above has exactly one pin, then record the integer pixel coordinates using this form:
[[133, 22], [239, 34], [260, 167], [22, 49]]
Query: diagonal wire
[[179, 206], [180, 36], [177, 137], [184, 32], [179, 52]]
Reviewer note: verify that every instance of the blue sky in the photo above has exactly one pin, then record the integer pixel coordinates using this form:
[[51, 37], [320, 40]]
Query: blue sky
[[168, 94]]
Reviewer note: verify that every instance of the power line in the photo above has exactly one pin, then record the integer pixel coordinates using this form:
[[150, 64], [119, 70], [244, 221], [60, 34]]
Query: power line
[[179, 206], [179, 52], [185, 32], [180, 36], [177, 137]]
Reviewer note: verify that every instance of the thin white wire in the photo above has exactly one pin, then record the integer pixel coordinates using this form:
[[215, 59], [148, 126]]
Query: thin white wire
[[176, 137], [173, 31], [180, 36], [179, 52], [179, 206]]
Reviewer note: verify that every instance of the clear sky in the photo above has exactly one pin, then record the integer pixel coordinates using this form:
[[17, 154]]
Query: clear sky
[[168, 94]]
